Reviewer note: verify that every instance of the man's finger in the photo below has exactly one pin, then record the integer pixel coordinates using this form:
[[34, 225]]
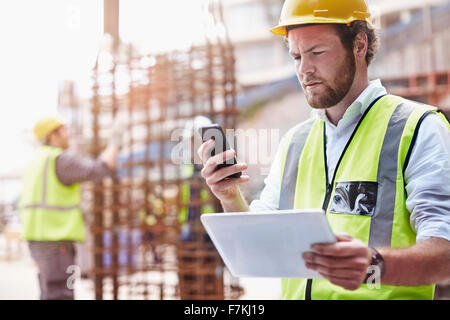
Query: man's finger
[[343, 237], [222, 173], [338, 273], [338, 249], [222, 157], [354, 262], [225, 184], [204, 149], [211, 164], [344, 283]]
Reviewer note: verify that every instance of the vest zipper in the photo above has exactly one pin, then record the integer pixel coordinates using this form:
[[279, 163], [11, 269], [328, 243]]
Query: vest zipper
[[329, 185]]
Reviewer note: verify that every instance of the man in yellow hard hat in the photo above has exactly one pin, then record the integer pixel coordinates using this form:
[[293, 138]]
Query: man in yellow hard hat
[[361, 157], [50, 203]]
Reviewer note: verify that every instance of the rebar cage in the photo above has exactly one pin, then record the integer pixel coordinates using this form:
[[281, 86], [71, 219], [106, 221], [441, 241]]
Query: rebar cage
[[147, 239]]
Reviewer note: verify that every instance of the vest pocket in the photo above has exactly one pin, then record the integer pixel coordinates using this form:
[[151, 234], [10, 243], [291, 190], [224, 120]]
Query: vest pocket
[[354, 197]]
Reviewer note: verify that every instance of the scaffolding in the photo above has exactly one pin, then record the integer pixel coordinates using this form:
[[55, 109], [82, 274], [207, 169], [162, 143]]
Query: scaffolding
[[431, 88], [141, 249]]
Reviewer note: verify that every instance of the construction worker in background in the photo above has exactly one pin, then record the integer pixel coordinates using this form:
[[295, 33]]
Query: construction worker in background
[[50, 202], [195, 201], [191, 208], [361, 157], [191, 192]]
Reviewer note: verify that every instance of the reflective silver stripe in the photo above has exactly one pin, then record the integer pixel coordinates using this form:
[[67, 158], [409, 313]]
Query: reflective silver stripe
[[289, 180], [44, 182], [383, 218], [43, 204]]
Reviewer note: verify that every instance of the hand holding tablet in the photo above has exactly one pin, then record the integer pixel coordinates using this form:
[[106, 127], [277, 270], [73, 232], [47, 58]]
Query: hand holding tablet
[[268, 244]]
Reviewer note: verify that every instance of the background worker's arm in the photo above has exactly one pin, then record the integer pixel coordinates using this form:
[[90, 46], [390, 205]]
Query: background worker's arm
[[70, 169], [227, 191], [109, 156]]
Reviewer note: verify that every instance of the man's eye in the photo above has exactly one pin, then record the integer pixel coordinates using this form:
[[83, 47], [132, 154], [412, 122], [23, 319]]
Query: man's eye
[[318, 53]]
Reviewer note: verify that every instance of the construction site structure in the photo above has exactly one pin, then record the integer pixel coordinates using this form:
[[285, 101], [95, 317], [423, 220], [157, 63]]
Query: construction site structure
[[145, 259], [414, 39], [429, 87], [414, 60], [261, 57], [147, 240]]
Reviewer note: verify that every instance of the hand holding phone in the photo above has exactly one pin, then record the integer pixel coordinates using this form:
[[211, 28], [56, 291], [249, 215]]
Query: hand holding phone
[[222, 178], [221, 145]]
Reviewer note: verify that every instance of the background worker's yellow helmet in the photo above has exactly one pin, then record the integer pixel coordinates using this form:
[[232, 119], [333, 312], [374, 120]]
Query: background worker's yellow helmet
[[297, 12], [45, 126]]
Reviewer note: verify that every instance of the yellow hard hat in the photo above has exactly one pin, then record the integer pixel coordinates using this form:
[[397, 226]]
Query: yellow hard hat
[[46, 125], [296, 12]]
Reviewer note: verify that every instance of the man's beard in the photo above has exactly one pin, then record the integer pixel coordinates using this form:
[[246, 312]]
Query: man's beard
[[333, 94]]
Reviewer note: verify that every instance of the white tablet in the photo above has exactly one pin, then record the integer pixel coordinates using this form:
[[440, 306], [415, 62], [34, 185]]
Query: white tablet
[[268, 244]]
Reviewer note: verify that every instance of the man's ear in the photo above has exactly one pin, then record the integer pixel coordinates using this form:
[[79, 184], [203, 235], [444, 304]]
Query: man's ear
[[52, 135], [360, 45], [49, 138]]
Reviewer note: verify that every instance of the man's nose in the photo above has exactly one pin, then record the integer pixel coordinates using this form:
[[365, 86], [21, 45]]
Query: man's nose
[[305, 67]]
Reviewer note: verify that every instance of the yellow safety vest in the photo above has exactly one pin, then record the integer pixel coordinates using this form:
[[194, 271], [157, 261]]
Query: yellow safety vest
[[365, 198], [185, 196], [50, 211]]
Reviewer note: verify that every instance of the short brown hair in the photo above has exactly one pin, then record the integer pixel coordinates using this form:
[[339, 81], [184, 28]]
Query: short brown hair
[[348, 33]]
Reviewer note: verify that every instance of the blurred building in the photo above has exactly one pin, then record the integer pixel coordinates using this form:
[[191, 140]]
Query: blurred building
[[415, 37], [414, 60], [414, 34], [261, 57]]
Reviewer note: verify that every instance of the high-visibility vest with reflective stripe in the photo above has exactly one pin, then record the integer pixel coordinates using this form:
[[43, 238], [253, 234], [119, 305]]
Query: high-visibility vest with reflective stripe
[[185, 199], [50, 211], [374, 158]]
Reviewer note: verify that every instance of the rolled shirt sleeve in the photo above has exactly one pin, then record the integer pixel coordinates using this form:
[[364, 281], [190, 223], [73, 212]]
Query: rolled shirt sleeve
[[427, 178], [71, 169]]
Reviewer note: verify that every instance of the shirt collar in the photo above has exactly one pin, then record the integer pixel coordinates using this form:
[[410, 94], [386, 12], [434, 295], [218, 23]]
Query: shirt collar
[[358, 107]]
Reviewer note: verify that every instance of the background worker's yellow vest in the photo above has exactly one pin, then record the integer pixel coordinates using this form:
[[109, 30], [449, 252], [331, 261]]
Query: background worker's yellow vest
[[187, 171], [366, 198], [50, 211]]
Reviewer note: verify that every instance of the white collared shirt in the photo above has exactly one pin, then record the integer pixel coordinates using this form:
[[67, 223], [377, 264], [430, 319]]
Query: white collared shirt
[[427, 175]]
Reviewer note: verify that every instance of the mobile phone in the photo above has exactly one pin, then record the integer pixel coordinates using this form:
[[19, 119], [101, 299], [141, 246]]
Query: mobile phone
[[215, 132]]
